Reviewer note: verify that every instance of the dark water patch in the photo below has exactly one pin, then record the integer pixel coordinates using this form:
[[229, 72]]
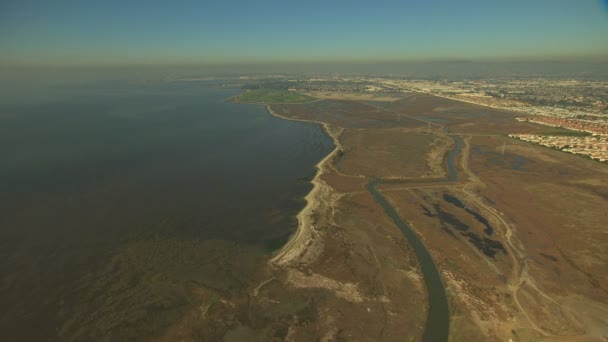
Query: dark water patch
[[271, 246], [487, 246], [427, 212], [444, 226], [550, 257], [454, 200], [438, 320], [450, 219]]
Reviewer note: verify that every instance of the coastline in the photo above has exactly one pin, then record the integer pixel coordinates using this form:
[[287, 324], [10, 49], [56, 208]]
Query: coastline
[[305, 243]]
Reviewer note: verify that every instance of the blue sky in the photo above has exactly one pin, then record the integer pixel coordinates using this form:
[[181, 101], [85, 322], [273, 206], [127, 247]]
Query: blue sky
[[236, 31]]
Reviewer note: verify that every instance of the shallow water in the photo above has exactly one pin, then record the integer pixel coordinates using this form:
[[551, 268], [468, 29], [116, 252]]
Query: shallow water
[[116, 190], [451, 160]]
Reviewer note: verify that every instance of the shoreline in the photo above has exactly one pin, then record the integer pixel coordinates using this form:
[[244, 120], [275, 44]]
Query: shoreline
[[305, 243]]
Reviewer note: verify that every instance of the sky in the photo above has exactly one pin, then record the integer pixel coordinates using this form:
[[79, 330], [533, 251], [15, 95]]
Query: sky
[[85, 32]]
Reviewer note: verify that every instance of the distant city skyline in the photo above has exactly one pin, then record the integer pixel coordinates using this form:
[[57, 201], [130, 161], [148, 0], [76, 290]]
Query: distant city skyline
[[191, 32]]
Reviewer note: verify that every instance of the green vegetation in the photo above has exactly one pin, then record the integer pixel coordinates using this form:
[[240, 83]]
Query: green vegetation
[[273, 96], [565, 132]]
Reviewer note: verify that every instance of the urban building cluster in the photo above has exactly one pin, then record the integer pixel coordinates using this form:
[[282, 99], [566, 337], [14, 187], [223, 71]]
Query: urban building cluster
[[593, 146], [535, 96], [565, 98], [591, 126]]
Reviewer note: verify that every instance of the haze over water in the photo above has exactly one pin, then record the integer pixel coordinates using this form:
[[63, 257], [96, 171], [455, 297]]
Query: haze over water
[[122, 203]]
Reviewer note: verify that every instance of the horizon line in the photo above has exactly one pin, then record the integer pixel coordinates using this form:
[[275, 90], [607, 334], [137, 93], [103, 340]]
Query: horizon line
[[583, 58]]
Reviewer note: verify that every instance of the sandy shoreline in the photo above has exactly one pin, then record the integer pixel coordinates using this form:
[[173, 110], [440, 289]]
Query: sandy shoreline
[[305, 244]]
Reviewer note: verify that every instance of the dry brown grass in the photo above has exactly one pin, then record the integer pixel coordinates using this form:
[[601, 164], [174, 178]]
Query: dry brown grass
[[556, 203], [386, 153], [352, 96], [348, 114]]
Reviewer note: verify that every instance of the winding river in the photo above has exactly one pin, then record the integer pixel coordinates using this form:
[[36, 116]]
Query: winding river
[[438, 319]]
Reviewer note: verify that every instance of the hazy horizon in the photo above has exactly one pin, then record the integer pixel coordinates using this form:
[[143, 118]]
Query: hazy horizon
[[597, 69], [68, 33]]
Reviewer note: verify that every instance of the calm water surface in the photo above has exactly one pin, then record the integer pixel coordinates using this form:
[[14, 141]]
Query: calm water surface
[[121, 202]]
